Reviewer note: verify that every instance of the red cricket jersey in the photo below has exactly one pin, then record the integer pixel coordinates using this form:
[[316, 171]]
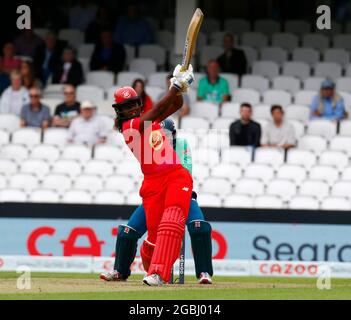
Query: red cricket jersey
[[151, 147]]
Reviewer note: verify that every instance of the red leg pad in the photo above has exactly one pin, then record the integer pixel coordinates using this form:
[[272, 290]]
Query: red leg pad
[[169, 239], [146, 252]]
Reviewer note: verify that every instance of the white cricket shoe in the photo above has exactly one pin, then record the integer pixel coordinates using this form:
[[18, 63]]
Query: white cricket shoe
[[205, 278], [154, 280], [112, 276]]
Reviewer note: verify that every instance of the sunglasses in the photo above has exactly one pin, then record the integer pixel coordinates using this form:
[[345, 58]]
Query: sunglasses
[[68, 93], [34, 96]]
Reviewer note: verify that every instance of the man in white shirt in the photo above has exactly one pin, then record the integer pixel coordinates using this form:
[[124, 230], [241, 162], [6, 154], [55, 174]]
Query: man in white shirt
[[15, 96], [278, 133], [88, 128]]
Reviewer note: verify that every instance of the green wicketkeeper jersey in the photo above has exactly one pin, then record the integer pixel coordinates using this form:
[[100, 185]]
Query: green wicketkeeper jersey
[[184, 154]]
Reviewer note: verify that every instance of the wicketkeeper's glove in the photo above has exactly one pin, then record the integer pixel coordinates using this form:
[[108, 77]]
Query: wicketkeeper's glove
[[182, 79]]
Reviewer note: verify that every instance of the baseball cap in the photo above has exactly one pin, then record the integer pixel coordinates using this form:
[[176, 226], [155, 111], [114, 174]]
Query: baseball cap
[[86, 104], [328, 84]]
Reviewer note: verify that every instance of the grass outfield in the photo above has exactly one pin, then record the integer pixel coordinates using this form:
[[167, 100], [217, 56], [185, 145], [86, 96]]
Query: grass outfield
[[88, 286]]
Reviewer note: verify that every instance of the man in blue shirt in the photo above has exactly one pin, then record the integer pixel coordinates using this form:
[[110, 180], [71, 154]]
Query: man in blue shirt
[[328, 104]]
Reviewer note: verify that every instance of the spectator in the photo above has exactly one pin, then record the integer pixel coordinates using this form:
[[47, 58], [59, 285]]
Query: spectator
[[232, 60], [88, 128], [68, 110], [132, 29], [185, 109], [108, 55], [101, 22], [27, 43], [10, 62], [278, 133], [4, 78], [70, 70], [35, 114], [213, 87], [139, 86], [328, 104], [81, 15], [28, 76], [15, 96], [48, 56], [245, 131]]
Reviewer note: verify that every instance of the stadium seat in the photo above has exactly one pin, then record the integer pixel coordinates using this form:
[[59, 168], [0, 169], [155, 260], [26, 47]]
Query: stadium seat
[[339, 56], [313, 83], [238, 201], [26, 136], [313, 143], [120, 183], [322, 127], [44, 196], [58, 182], [41, 32], [223, 123], [256, 82], [347, 100], [270, 156], [86, 50], [77, 197], [254, 39], [268, 202], [305, 158], [233, 80], [297, 27], [205, 156], [267, 26], [104, 108], [304, 97], [323, 172], [46, 152], [275, 54], [9, 122], [342, 41], [126, 78], [263, 172], [219, 186], [290, 84], [158, 79], [343, 84], [345, 128], [307, 55], [76, 152], [337, 159], [13, 195], [115, 138], [296, 69], [298, 112], [131, 168], [92, 93], [16, 152], [327, 70], [72, 168], [155, 52], [203, 109], [37, 167], [262, 111], [209, 52], [237, 26], [51, 103], [108, 122], [304, 203], [73, 36], [336, 203], [108, 152], [54, 92], [315, 188], [316, 41], [246, 95], [299, 128], [342, 189], [215, 139], [192, 138], [55, 136], [102, 168], [285, 40], [145, 66], [216, 37], [3, 182], [89, 182], [226, 170], [102, 79], [294, 172], [209, 25], [154, 92], [284, 188], [4, 137], [280, 97], [130, 53], [8, 167], [250, 53], [267, 69], [209, 200], [346, 173], [109, 197], [249, 186], [230, 110], [341, 143], [237, 155], [25, 181]]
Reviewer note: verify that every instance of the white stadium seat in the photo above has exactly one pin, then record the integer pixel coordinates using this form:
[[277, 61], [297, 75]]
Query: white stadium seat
[[233, 80], [104, 108], [253, 81], [71, 168], [275, 54], [316, 41], [102, 168], [296, 69], [209, 200], [246, 96], [249, 186], [280, 97], [215, 139], [126, 78], [44, 196], [77, 197], [133, 198], [342, 41], [145, 66], [153, 51], [16, 152], [304, 203], [267, 26], [55, 136], [109, 197], [259, 171], [8, 167], [237, 155], [343, 83], [9, 122], [53, 93], [314, 188], [102, 79], [254, 39], [262, 112], [328, 174], [305, 158], [328, 70], [86, 50], [305, 97], [58, 182], [226, 170], [338, 159], [108, 152], [230, 110], [88, 92], [285, 40], [345, 127], [250, 53], [4, 137], [298, 112], [268, 202], [297, 27], [76, 152], [73, 36], [222, 123], [51, 103], [201, 172], [88, 182], [313, 143], [313, 83], [158, 79], [287, 83], [205, 156], [47, 152], [340, 56], [219, 186], [120, 183], [3, 182], [238, 26], [23, 181], [154, 92], [341, 143], [267, 69], [336, 203], [322, 127], [209, 25], [36, 167], [13, 195], [346, 174], [307, 55], [26, 136], [299, 128], [294, 172], [131, 168], [208, 53], [269, 156], [205, 110], [342, 189], [238, 201], [283, 188]]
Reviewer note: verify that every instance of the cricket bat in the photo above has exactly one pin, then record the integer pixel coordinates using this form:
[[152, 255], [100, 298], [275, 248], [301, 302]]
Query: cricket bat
[[191, 37]]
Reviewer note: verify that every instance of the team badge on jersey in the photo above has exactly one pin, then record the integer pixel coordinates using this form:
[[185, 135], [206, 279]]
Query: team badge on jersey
[[156, 140]]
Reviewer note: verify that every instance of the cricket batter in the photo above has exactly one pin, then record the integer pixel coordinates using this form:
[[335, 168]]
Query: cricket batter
[[199, 229], [167, 186]]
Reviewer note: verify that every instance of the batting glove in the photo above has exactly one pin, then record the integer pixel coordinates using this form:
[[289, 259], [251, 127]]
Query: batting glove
[[182, 79]]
